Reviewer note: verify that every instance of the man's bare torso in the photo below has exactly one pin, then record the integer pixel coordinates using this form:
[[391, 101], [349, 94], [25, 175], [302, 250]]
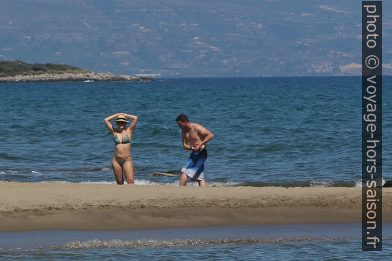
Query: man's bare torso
[[193, 136]]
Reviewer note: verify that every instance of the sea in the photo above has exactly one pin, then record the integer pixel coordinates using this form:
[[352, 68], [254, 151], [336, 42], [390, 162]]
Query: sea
[[263, 242], [269, 131]]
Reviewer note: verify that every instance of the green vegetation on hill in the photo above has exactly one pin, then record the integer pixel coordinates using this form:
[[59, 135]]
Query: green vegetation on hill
[[13, 68]]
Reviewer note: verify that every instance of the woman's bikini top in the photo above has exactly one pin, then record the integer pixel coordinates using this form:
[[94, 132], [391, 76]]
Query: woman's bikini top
[[125, 140]]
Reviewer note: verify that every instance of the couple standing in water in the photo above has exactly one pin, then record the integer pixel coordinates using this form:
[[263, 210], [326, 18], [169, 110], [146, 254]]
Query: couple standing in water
[[194, 138]]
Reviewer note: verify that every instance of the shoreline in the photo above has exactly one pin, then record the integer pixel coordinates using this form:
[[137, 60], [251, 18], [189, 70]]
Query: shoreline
[[43, 206], [87, 76]]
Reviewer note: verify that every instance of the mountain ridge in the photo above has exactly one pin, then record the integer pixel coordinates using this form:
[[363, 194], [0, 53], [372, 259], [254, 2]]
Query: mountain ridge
[[176, 38]]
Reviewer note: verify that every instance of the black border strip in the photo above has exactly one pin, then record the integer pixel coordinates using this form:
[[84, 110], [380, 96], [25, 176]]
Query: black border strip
[[372, 125]]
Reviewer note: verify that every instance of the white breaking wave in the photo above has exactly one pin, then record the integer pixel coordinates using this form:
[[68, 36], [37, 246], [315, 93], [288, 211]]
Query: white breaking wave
[[36, 173], [149, 183], [117, 243], [321, 184], [358, 184]]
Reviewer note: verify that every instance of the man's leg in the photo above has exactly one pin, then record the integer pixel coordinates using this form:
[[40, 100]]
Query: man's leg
[[202, 183], [183, 179]]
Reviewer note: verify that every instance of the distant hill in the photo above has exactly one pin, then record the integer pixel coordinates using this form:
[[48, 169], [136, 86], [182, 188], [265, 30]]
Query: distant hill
[[18, 71], [13, 68], [191, 37]]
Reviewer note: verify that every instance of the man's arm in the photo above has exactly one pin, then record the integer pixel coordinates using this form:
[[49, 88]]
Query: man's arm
[[185, 142], [208, 135]]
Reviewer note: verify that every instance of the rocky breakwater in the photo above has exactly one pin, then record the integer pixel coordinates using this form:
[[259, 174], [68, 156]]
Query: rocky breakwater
[[87, 76]]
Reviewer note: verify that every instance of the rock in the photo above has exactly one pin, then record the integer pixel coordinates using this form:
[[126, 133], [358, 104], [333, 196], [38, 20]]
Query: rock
[[88, 76]]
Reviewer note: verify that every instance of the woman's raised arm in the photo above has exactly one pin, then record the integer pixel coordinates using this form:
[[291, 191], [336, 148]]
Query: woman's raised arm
[[134, 121], [108, 123]]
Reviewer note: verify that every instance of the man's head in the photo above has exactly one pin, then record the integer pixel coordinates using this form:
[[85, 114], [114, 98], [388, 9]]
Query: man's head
[[181, 120]]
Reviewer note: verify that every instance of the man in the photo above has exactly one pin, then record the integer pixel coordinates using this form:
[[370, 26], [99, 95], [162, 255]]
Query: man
[[195, 138]]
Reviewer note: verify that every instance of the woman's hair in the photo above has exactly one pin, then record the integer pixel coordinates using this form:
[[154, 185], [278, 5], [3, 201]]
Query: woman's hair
[[182, 117]]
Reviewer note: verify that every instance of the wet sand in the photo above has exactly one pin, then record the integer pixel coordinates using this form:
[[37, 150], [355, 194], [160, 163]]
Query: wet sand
[[41, 206]]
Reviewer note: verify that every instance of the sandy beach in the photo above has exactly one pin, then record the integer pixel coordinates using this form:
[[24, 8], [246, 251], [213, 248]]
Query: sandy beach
[[37, 206]]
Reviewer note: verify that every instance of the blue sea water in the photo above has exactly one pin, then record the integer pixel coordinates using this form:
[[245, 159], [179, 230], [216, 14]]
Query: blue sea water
[[268, 131], [269, 250], [303, 131], [266, 242]]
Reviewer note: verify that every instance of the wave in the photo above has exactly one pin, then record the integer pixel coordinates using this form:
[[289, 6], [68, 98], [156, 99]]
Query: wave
[[300, 184], [173, 181], [357, 184], [44, 175], [117, 243], [147, 182], [229, 183], [5, 170], [384, 183], [7, 156], [137, 182]]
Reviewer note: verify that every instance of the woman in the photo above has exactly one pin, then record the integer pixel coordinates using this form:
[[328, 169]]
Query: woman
[[122, 162]]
